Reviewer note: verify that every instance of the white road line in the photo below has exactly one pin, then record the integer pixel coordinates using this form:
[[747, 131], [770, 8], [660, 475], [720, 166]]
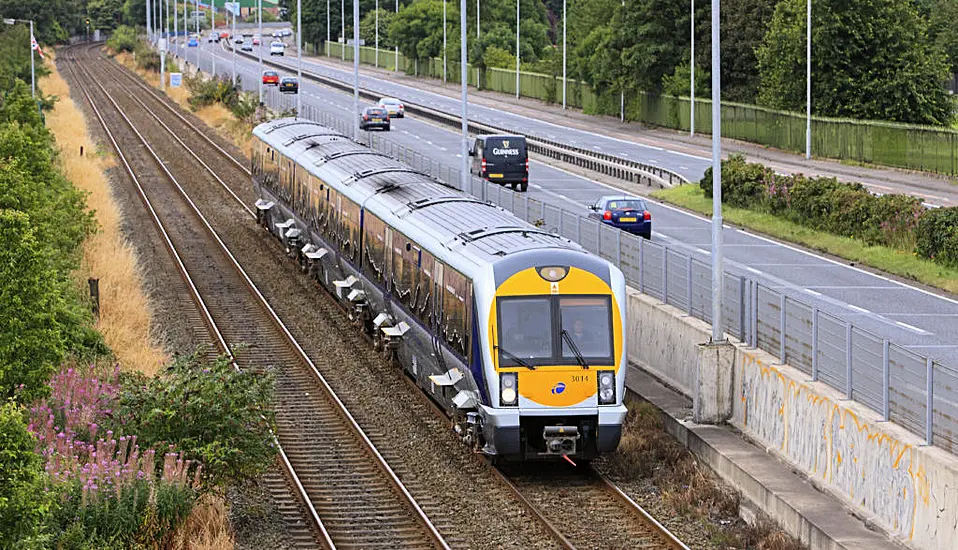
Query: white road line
[[755, 271], [859, 309], [683, 167], [443, 149], [702, 251], [537, 186], [812, 292], [910, 327]]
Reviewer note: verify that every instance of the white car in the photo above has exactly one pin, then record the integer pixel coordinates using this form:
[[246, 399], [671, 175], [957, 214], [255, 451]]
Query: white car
[[238, 40], [277, 48], [393, 106]]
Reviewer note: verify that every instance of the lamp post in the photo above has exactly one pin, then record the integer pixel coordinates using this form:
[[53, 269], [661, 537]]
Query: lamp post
[[717, 281], [355, 69], [477, 19], [342, 31], [377, 33], [517, 49], [564, 45], [176, 32], [692, 74], [299, 55], [262, 43], [808, 80], [233, 40], [213, 30], [464, 99], [396, 62], [149, 22], [33, 72], [444, 2]]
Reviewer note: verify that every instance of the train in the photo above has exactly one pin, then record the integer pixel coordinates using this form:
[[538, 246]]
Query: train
[[518, 333]]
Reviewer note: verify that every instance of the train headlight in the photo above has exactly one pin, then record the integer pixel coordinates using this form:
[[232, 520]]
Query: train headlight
[[508, 386], [606, 382]]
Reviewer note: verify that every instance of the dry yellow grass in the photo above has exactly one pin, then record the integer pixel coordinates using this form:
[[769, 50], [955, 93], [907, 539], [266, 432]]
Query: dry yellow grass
[[125, 315], [206, 528], [216, 116]]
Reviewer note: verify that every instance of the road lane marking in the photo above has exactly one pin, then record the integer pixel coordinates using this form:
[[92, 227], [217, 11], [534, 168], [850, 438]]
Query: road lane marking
[[859, 309], [812, 292], [702, 251], [910, 327], [755, 271]]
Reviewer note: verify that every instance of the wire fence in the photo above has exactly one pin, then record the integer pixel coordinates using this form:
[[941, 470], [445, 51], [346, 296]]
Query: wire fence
[[902, 386]]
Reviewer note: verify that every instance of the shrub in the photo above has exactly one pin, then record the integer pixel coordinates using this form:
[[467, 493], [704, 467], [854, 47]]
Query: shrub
[[210, 411], [123, 39], [146, 58], [24, 504], [204, 92], [743, 183], [937, 236]]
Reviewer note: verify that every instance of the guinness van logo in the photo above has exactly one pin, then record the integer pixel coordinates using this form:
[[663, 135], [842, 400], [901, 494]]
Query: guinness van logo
[[505, 143]]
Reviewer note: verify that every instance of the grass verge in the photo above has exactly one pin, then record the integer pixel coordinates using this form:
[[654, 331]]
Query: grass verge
[[897, 262], [125, 315], [125, 312]]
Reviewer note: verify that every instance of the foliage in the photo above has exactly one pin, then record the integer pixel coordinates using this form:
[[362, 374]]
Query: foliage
[[15, 57], [103, 14], [113, 495], [55, 21], [24, 504], [367, 28], [743, 25], [147, 58], [499, 58], [210, 411], [942, 16], [937, 236], [871, 59], [677, 83], [123, 39]]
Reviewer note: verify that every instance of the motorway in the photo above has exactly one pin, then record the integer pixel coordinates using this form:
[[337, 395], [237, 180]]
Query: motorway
[[915, 318]]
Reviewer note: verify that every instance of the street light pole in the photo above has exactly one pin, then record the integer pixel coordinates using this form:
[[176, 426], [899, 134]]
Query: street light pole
[[808, 80], [197, 35], [464, 99], [262, 42], [213, 30], [149, 22], [342, 32], [176, 32], [517, 49], [162, 43], [396, 54], [33, 69], [564, 46], [477, 19], [233, 44], [299, 56], [718, 286], [444, 2], [692, 75], [356, 69], [377, 33]]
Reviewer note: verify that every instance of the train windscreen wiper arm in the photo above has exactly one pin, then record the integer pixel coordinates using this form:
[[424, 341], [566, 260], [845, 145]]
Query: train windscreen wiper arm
[[575, 349], [518, 360]]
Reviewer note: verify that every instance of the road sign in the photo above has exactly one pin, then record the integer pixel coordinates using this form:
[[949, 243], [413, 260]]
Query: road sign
[[362, 41], [162, 44], [232, 7], [176, 80]]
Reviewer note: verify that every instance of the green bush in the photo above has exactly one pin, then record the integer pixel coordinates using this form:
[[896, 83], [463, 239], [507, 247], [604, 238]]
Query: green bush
[[123, 39], [209, 411], [937, 236], [204, 92], [846, 209], [24, 505], [146, 58]]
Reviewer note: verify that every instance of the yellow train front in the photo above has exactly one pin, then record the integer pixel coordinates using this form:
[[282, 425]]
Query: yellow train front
[[554, 358]]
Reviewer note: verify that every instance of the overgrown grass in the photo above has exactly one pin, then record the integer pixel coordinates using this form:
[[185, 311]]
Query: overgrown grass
[[897, 262], [647, 451], [125, 316]]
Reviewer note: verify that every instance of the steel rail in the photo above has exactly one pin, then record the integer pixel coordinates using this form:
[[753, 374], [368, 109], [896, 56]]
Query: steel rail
[[341, 408]]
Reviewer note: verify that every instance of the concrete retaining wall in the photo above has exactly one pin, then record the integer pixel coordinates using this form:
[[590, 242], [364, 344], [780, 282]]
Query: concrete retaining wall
[[877, 468]]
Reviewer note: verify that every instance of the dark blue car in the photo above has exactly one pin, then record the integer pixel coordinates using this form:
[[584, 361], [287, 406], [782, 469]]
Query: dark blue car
[[627, 213]]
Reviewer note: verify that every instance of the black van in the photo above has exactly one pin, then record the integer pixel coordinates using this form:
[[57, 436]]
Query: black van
[[501, 159]]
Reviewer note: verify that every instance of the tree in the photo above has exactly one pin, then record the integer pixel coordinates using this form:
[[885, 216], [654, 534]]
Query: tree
[[24, 504], [871, 59], [417, 28], [15, 58], [105, 14], [942, 18], [743, 25], [31, 343]]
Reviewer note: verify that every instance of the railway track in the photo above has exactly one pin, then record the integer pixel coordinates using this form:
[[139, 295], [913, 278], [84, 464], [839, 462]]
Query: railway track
[[557, 509], [353, 497]]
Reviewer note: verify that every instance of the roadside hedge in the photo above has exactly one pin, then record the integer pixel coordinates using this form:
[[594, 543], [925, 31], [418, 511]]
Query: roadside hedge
[[846, 209]]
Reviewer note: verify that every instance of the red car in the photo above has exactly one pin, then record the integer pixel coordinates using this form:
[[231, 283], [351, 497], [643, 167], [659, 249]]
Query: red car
[[270, 78]]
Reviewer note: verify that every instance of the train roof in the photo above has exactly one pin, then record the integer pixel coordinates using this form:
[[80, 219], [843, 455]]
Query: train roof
[[460, 229]]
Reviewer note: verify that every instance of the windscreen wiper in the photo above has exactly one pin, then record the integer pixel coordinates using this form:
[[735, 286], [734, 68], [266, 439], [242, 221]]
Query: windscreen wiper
[[518, 360], [575, 349]]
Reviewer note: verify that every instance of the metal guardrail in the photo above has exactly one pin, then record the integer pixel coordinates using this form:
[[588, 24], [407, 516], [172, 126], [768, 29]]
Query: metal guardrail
[[907, 388], [610, 165]]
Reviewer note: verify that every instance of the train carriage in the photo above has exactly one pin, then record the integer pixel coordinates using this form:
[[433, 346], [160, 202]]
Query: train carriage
[[517, 332]]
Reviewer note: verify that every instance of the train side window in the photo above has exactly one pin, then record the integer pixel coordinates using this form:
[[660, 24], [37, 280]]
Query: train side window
[[455, 319], [422, 293], [374, 244]]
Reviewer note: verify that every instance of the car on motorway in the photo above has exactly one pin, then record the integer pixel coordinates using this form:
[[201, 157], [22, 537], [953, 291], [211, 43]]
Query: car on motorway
[[193, 42], [213, 37], [256, 40], [624, 212], [277, 48], [224, 35], [270, 78], [374, 117], [238, 40], [289, 85], [246, 46], [394, 106], [501, 159]]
